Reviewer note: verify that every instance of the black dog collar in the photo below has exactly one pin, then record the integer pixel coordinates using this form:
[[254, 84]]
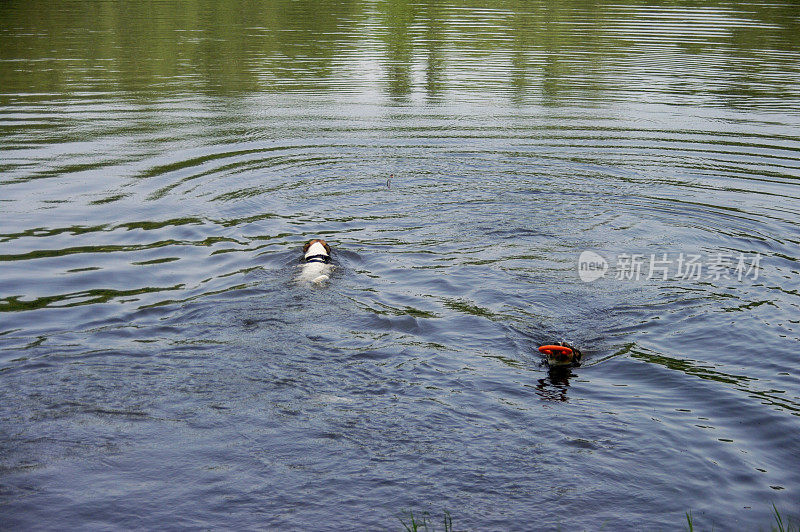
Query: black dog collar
[[325, 259]]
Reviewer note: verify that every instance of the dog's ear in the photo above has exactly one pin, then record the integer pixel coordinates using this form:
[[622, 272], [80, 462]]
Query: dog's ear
[[327, 247], [308, 245]]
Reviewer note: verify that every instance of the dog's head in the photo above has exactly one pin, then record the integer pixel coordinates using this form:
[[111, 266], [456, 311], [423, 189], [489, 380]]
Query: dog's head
[[561, 354], [316, 246]]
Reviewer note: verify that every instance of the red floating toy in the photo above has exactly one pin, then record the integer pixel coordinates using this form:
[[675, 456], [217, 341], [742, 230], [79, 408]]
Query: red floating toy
[[555, 350]]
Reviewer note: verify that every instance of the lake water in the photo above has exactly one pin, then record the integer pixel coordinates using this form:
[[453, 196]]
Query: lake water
[[162, 163]]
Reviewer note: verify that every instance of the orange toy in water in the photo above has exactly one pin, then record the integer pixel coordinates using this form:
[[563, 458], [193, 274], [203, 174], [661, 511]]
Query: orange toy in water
[[555, 350]]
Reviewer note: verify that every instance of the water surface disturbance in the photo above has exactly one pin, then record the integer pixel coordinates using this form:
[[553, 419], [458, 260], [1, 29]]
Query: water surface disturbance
[[491, 177]]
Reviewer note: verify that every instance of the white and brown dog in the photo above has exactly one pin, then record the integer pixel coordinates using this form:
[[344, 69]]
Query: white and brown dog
[[316, 267]]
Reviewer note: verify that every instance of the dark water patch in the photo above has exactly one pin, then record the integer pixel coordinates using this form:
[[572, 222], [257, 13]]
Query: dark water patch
[[90, 297]]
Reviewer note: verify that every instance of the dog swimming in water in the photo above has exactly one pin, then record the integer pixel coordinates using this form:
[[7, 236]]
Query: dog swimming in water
[[561, 355], [316, 267]]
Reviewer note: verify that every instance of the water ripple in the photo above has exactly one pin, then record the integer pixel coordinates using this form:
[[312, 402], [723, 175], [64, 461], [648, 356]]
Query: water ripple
[[161, 172]]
